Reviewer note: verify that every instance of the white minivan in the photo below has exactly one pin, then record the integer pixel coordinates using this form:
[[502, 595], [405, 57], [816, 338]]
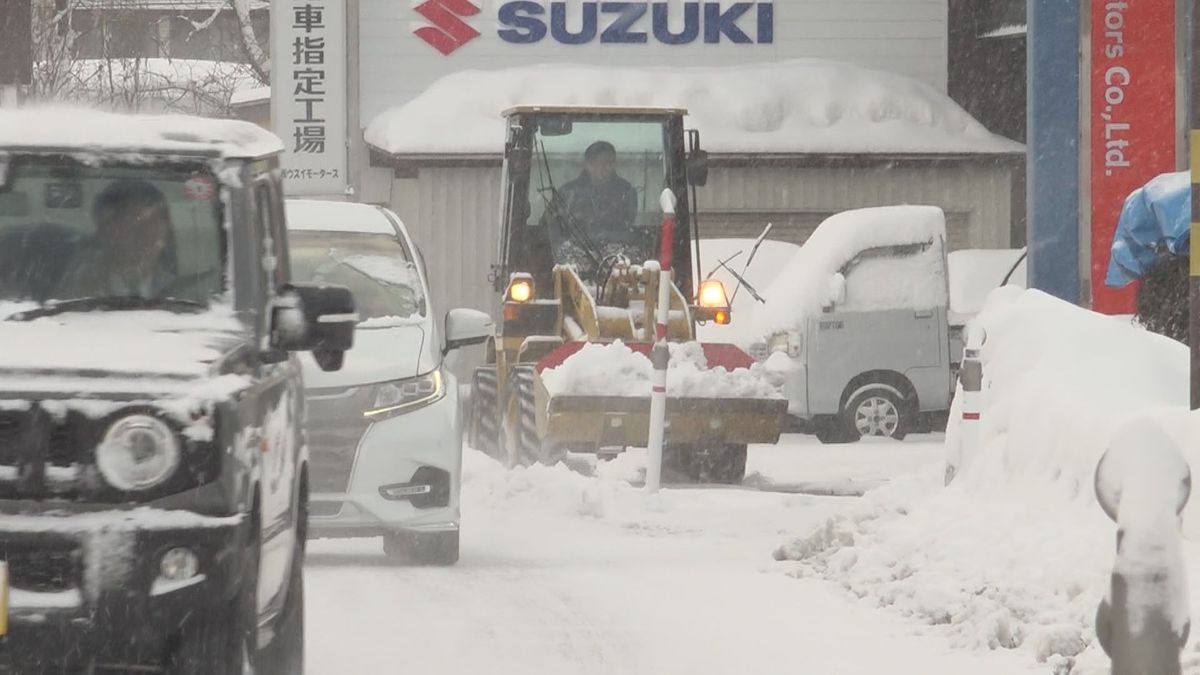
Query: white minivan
[[384, 432]]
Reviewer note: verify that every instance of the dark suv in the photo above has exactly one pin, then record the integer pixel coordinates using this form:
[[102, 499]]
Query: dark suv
[[153, 472]]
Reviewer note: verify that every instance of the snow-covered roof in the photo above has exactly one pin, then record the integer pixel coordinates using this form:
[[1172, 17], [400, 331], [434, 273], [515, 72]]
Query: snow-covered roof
[[1011, 30], [38, 128], [250, 95], [158, 85], [802, 287], [328, 216], [794, 106]]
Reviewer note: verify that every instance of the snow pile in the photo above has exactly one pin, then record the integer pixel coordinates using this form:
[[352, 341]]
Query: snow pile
[[616, 370], [974, 273], [794, 106], [803, 286], [1016, 552]]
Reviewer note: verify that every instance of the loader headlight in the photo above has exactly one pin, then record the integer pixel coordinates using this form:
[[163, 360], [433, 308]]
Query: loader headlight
[[137, 453], [404, 396], [520, 288]]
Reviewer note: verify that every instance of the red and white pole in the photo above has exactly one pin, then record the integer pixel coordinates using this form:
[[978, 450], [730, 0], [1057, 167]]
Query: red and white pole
[[971, 376], [660, 354]]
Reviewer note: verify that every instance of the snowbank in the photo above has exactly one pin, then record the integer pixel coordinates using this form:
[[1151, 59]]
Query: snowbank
[[795, 106], [1016, 552], [616, 370], [974, 273], [802, 287]]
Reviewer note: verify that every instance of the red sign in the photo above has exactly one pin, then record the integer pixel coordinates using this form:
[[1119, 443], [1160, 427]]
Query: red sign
[[1132, 120]]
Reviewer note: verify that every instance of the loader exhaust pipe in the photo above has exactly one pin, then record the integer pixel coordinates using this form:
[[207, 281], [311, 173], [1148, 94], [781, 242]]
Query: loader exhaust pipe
[[660, 355]]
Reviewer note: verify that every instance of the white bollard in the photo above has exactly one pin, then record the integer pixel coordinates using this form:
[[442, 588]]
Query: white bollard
[[660, 354], [971, 377]]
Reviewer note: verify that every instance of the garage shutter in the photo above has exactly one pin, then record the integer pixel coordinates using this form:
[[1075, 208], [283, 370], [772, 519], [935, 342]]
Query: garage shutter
[[797, 226]]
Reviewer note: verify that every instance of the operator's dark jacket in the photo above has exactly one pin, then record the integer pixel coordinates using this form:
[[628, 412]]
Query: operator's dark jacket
[[605, 210]]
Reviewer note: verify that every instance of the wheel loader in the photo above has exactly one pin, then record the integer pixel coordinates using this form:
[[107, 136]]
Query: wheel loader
[[580, 238]]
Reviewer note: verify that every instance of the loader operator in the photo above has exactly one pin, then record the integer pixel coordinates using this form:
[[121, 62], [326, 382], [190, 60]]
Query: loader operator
[[602, 204]]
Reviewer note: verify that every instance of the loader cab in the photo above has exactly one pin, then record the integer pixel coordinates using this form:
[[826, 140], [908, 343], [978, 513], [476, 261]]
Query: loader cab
[[582, 187]]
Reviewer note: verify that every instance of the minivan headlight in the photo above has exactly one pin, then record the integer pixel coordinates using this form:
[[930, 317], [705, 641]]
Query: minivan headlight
[[404, 396], [138, 452]]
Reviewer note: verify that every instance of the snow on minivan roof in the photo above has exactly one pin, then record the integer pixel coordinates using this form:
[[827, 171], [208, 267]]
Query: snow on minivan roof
[[74, 129], [314, 215]]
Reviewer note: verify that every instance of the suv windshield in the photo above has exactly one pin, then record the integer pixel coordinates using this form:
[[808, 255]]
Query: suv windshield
[[143, 234], [375, 267], [597, 187]]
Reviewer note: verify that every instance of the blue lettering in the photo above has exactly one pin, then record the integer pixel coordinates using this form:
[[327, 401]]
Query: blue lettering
[[766, 23], [523, 28], [525, 22], [691, 24], [717, 23], [628, 14], [558, 24]]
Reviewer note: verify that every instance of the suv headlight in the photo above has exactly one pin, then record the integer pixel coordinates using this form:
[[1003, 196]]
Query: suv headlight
[[404, 396], [138, 452]]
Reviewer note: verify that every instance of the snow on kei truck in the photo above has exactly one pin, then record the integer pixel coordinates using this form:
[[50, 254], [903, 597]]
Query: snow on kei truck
[[153, 475]]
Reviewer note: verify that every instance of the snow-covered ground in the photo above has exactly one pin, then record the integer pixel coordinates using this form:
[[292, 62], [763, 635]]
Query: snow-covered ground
[[564, 573]]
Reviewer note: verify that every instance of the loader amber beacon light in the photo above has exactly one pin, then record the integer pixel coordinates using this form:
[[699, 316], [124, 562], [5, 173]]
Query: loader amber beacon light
[[712, 294]]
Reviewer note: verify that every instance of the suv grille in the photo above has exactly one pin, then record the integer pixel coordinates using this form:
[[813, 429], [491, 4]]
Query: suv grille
[[41, 568], [335, 426]]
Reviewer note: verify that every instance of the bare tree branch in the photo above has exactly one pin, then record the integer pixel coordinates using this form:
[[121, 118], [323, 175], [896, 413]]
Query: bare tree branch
[[258, 58]]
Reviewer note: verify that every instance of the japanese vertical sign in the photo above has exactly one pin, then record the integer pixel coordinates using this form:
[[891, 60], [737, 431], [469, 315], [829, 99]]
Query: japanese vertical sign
[[308, 93], [1132, 120]]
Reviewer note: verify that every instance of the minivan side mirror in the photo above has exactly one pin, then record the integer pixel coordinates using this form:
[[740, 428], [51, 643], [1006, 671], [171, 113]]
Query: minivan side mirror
[[316, 318], [466, 327]]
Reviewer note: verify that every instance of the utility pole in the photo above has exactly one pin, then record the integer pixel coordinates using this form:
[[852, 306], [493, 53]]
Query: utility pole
[[1194, 161], [16, 49]]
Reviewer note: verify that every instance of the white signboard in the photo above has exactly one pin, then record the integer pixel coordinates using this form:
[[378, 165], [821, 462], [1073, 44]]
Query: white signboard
[[407, 45], [308, 94]]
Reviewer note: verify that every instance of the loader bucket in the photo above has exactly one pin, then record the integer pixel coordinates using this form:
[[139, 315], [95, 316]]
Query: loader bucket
[[588, 422]]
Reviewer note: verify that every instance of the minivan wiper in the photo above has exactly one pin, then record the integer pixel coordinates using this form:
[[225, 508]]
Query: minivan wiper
[[107, 304]]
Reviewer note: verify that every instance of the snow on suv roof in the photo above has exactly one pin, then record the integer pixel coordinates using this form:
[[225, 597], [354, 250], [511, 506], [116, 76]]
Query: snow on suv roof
[[327, 216], [80, 129]]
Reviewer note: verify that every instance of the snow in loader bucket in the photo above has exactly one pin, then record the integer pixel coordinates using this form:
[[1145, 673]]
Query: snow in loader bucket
[[596, 392]]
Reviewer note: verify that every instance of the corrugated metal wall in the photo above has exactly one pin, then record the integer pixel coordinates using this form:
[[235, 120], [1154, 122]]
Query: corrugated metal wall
[[977, 198], [453, 212]]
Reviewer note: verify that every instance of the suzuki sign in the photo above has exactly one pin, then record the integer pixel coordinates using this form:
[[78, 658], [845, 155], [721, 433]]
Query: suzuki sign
[[523, 22], [406, 46]]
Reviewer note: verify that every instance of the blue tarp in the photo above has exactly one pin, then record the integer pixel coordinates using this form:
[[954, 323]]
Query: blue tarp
[[1155, 220]]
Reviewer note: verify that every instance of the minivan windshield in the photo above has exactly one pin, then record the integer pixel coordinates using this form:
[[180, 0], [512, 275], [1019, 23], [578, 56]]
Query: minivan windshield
[[112, 236], [374, 267]]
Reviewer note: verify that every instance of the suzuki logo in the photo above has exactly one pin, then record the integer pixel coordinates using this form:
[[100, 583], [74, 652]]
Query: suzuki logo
[[449, 31]]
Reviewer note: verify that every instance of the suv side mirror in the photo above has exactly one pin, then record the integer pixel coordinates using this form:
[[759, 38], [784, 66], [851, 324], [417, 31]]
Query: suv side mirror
[[315, 318], [697, 168], [465, 327]]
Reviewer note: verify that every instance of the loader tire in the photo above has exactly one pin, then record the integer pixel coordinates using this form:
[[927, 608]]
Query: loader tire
[[484, 431], [521, 440]]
